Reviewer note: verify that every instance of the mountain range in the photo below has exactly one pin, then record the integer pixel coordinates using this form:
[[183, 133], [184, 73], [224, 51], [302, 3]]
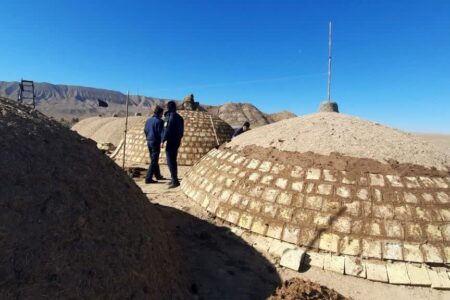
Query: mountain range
[[69, 102]]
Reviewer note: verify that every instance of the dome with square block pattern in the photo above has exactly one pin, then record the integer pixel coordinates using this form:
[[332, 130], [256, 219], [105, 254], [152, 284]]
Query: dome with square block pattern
[[202, 132], [333, 183]]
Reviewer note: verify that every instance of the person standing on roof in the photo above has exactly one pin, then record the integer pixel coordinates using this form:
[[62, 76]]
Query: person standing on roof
[[242, 129], [153, 131], [173, 133]]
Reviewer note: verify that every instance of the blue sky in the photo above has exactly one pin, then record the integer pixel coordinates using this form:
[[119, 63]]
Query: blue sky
[[391, 59]]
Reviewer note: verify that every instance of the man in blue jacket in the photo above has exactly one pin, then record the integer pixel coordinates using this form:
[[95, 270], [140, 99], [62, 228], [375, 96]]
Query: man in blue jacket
[[173, 133], [153, 130], [241, 130]]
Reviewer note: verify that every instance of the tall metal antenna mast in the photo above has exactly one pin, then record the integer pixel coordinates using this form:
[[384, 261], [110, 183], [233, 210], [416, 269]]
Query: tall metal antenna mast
[[328, 105], [329, 62]]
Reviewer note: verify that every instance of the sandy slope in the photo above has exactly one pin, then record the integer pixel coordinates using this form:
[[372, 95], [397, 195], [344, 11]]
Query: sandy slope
[[73, 225], [324, 133], [442, 141], [106, 129]]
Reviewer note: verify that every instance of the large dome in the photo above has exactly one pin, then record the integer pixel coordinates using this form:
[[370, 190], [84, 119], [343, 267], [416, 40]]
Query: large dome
[[335, 183], [200, 130], [73, 224], [325, 133]]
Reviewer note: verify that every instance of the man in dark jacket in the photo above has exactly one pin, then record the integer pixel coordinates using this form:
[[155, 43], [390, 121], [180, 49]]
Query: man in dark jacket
[[173, 133], [242, 129], [153, 130]]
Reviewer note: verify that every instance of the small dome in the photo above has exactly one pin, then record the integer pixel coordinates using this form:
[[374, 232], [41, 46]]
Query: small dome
[[335, 183], [200, 129], [73, 224]]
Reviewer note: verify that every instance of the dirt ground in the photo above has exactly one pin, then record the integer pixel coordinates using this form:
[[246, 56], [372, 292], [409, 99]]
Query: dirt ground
[[223, 266], [299, 289]]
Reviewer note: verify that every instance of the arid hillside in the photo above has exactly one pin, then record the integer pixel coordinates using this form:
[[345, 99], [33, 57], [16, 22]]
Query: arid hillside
[[68, 102], [65, 101], [236, 114]]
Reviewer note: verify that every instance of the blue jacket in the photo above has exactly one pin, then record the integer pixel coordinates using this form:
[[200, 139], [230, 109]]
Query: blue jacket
[[238, 131], [153, 130], [173, 127]]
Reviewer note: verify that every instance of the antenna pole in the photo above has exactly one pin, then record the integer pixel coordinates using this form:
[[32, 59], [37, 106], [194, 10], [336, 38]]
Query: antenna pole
[[125, 133], [329, 62]]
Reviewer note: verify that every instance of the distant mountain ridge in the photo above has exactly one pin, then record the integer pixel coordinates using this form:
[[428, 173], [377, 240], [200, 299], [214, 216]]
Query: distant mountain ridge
[[46, 91], [67, 101]]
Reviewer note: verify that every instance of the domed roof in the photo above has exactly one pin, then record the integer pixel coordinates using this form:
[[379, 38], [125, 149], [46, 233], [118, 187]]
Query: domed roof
[[325, 133], [334, 183], [200, 130], [73, 224], [105, 129]]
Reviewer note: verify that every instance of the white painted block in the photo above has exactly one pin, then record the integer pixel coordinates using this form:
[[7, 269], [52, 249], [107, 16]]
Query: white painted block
[[292, 258], [334, 263], [355, 267], [277, 247], [439, 279], [315, 259], [397, 273], [376, 271], [418, 275]]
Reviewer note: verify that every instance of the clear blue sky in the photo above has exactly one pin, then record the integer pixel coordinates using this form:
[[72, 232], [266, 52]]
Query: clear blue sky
[[391, 59]]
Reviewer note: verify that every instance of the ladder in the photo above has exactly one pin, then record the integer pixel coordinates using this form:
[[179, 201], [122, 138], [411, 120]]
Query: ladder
[[26, 93]]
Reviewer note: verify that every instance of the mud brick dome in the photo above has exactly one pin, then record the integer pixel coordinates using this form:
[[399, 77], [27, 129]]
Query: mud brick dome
[[73, 225], [334, 183], [198, 139], [105, 129]]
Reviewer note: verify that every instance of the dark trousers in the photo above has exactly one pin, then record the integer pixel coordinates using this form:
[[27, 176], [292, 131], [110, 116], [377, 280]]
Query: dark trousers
[[153, 169], [171, 156]]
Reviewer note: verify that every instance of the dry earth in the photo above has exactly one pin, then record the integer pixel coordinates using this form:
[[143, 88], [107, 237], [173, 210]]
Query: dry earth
[[442, 141], [326, 133], [72, 224], [299, 289], [224, 266]]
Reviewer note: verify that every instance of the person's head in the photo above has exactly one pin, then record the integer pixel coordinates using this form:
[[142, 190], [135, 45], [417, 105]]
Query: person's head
[[246, 126], [171, 106], [158, 111]]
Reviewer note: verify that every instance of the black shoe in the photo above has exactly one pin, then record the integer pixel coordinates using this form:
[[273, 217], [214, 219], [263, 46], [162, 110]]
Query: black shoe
[[147, 181], [161, 178], [174, 185]]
